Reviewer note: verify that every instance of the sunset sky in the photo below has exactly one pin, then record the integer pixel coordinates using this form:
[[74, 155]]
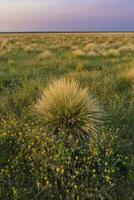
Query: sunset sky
[[66, 15]]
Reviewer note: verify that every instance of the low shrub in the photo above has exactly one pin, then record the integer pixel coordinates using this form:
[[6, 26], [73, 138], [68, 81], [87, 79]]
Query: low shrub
[[66, 106]]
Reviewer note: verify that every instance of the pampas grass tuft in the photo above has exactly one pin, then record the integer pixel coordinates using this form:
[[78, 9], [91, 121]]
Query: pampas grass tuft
[[65, 106]]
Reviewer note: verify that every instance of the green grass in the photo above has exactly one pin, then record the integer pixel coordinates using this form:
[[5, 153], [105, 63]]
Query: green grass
[[23, 77]]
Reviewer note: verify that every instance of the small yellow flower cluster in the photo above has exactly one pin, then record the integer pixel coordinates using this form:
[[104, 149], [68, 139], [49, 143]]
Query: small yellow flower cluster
[[60, 170], [108, 179], [109, 151], [95, 152]]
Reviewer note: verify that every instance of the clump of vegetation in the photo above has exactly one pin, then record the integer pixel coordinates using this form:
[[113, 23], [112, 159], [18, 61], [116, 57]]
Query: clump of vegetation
[[28, 49], [114, 52], [92, 54], [74, 48], [46, 54], [4, 45], [79, 53], [80, 67], [91, 46], [66, 106]]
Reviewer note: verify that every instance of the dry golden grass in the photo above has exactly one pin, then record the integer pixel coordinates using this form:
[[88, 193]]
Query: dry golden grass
[[91, 46], [46, 54], [5, 46], [79, 53], [74, 47], [130, 73], [64, 105], [54, 47], [113, 52], [92, 53], [126, 48], [28, 49]]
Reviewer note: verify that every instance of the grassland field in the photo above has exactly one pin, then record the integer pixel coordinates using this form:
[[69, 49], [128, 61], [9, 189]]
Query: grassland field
[[101, 62]]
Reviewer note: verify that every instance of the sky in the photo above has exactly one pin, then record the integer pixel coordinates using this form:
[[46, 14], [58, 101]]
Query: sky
[[66, 15]]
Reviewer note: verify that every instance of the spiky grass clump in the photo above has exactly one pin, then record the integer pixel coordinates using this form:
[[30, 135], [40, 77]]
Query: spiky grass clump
[[79, 53], [66, 106], [28, 49], [114, 52], [91, 46], [92, 54], [46, 54]]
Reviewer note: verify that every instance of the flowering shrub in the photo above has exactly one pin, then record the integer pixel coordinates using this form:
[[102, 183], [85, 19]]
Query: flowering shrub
[[58, 167]]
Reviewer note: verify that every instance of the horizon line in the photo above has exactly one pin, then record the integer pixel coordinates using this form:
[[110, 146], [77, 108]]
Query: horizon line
[[8, 32]]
